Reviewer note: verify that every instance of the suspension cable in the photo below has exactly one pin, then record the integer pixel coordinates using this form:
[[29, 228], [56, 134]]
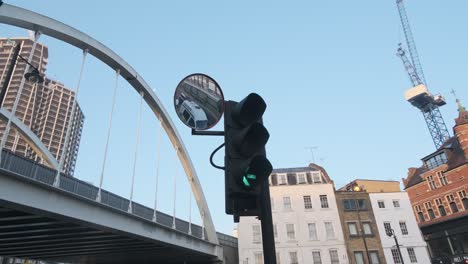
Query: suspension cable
[[117, 74], [158, 153], [190, 214], [175, 191], [136, 152], [70, 122]]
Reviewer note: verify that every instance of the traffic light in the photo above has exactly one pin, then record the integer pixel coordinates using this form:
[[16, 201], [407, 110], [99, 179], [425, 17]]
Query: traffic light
[[246, 165]]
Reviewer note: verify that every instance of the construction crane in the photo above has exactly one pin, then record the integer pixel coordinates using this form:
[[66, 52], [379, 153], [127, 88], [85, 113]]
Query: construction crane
[[419, 96]]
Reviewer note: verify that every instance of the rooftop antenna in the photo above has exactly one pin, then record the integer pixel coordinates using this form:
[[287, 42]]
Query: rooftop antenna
[[311, 149], [461, 108]]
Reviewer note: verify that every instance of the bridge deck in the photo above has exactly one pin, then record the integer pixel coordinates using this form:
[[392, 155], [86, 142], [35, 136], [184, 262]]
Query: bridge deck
[[39, 221]]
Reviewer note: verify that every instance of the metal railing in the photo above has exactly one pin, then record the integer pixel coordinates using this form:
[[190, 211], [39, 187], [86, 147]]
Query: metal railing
[[27, 168]]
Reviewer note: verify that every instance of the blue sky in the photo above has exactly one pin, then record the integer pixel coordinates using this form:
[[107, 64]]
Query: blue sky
[[327, 70]]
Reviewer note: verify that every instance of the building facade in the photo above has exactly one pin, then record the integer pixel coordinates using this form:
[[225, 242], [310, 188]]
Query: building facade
[[44, 107], [393, 210], [307, 226], [438, 193], [359, 227]]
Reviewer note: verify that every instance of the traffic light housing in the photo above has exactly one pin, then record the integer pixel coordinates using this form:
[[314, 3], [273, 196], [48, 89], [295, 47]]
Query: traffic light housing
[[246, 165]]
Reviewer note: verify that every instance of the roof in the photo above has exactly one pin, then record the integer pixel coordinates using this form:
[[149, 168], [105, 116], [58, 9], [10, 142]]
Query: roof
[[292, 170], [455, 158]]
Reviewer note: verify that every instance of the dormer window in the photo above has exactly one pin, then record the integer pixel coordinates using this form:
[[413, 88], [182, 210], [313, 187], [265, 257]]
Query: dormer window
[[301, 178], [436, 160], [316, 177], [282, 179]]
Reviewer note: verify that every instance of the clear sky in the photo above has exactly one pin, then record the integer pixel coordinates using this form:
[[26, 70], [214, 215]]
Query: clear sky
[[327, 70]]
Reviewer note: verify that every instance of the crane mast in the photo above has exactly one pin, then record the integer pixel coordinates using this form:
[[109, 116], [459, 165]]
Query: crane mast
[[419, 96]]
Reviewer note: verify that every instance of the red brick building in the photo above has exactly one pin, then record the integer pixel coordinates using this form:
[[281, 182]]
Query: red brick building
[[438, 191]]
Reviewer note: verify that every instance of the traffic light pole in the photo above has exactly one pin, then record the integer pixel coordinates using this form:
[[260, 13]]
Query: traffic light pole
[[266, 218]]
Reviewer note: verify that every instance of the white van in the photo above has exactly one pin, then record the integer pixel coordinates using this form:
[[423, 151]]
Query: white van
[[193, 114]]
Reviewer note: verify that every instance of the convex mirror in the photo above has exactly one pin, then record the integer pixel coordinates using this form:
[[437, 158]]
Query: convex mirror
[[199, 101]]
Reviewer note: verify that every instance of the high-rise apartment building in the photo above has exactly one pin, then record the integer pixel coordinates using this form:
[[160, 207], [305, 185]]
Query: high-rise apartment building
[[306, 222], [44, 107]]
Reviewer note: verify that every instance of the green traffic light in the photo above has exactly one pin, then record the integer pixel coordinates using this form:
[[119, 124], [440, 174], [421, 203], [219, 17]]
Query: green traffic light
[[245, 179]]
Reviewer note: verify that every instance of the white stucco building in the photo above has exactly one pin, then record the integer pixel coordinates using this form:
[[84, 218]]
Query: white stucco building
[[393, 210], [306, 222]]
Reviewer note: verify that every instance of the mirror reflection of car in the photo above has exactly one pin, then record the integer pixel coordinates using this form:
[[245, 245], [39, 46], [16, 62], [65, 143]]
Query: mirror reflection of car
[[193, 115]]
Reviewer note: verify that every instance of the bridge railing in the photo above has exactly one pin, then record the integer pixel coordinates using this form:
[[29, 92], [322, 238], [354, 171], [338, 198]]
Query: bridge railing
[[27, 168]]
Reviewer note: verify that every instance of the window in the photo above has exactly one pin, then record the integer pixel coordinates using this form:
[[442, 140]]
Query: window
[[442, 178], [388, 228], [291, 234], [403, 228], [412, 255], [442, 211], [293, 257], [275, 230], [465, 203], [366, 227], [352, 227], [349, 204], [329, 230], [374, 257], [417, 208], [282, 179], [362, 204], [316, 177], [334, 256], [324, 201], [453, 207], [258, 257], [450, 198], [307, 202], [256, 235], [301, 178], [431, 214], [352, 204], [462, 194], [396, 203], [431, 182], [436, 161], [421, 217], [396, 256], [312, 231], [316, 257], [287, 203], [359, 257], [381, 204]]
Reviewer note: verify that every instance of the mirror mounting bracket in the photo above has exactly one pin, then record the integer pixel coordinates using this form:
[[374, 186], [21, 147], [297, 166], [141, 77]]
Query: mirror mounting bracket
[[207, 133]]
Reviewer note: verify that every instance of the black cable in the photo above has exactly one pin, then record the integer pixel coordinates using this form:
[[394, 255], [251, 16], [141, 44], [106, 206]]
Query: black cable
[[211, 157]]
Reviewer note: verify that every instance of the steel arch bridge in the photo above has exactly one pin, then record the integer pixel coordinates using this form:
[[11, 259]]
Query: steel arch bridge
[[23, 18]]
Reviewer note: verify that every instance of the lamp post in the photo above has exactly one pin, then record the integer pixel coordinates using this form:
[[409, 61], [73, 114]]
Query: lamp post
[[391, 233], [33, 76]]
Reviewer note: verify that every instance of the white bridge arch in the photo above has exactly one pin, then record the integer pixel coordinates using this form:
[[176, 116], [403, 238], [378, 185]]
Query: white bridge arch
[[20, 17]]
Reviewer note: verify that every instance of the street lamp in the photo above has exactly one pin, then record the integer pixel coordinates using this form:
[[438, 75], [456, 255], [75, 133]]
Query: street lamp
[[390, 232], [33, 76]]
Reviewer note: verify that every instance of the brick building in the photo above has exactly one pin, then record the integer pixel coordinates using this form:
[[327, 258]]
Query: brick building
[[359, 228], [438, 193]]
